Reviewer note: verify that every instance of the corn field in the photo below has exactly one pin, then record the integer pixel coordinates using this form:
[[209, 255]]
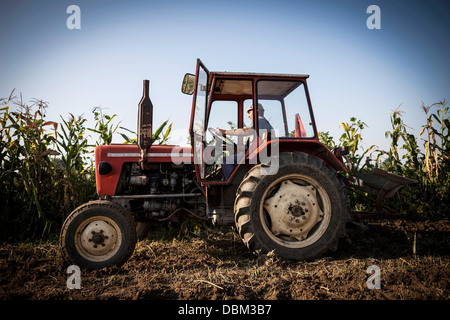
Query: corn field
[[47, 170], [424, 158], [47, 167]]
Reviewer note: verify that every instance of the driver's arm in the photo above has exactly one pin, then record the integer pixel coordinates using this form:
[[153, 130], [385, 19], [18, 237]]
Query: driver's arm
[[234, 132]]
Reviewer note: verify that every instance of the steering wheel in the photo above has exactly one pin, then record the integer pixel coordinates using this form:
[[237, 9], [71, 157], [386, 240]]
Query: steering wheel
[[222, 138]]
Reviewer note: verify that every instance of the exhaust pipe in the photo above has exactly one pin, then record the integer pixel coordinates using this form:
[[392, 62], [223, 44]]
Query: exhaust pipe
[[144, 126]]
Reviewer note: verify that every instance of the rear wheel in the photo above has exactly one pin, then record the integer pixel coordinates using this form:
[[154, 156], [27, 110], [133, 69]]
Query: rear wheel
[[300, 212], [98, 234]]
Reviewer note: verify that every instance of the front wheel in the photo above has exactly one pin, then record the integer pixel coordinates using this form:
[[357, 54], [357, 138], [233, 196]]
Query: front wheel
[[98, 234], [299, 212]]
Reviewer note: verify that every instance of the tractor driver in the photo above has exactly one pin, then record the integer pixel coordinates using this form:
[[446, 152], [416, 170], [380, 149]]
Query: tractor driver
[[265, 128], [263, 123]]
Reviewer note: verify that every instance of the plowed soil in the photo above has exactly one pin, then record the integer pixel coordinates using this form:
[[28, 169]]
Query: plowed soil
[[214, 264]]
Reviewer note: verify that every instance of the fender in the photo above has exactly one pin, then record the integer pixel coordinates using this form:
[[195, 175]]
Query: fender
[[309, 146]]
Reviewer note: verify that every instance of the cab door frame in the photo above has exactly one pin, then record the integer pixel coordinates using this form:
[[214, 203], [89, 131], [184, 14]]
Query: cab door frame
[[198, 119]]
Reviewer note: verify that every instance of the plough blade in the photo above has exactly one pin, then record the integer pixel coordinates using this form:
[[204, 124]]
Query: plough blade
[[379, 184]]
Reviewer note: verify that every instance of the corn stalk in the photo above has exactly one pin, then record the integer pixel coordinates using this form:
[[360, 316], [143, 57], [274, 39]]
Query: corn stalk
[[352, 139], [436, 140]]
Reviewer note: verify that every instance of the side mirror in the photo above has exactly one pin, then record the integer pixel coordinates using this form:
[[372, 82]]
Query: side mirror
[[188, 84]]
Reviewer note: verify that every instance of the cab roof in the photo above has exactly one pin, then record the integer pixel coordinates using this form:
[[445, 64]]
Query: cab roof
[[258, 75], [239, 83]]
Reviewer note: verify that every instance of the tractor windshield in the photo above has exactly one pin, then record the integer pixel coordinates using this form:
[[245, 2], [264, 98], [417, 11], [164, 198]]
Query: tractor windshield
[[285, 107]]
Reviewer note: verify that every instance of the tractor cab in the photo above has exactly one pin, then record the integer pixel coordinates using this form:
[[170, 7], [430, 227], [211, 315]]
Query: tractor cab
[[226, 101]]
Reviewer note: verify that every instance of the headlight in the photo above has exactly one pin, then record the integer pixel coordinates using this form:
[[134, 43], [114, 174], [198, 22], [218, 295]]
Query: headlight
[[104, 168]]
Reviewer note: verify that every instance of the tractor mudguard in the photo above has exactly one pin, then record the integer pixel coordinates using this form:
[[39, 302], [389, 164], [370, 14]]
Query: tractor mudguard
[[309, 146]]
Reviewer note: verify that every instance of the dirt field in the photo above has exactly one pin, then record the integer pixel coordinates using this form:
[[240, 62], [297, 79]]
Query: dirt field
[[213, 264]]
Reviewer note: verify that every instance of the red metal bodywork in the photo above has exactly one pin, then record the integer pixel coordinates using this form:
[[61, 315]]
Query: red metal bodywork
[[118, 154]]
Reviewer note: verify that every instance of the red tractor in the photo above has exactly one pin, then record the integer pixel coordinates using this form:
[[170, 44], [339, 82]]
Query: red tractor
[[267, 174]]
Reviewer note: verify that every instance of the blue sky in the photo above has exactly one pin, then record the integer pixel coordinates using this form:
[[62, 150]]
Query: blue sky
[[353, 71]]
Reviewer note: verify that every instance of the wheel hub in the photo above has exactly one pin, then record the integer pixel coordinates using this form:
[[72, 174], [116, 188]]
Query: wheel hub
[[296, 211], [98, 238], [293, 210]]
